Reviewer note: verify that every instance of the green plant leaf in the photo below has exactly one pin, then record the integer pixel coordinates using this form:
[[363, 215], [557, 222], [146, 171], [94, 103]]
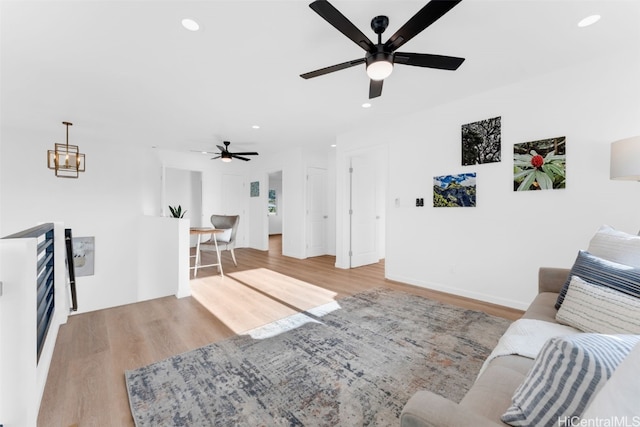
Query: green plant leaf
[[520, 174], [523, 157], [527, 182], [546, 168], [555, 168], [522, 164], [556, 158], [176, 211], [544, 180]]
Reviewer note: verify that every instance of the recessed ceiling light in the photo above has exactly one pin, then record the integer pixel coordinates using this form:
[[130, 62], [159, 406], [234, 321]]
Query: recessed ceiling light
[[255, 127], [333, 145], [190, 24], [366, 105], [589, 20]]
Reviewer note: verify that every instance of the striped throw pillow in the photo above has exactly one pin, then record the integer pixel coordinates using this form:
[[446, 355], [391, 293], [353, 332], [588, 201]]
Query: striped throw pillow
[[601, 272], [565, 377], [598, 309]]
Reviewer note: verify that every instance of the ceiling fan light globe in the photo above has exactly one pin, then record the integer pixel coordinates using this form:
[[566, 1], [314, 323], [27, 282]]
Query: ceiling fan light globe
[[379, 70], [226, 159]]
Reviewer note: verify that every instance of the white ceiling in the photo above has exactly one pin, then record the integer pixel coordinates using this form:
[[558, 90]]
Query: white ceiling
[[128, 72]]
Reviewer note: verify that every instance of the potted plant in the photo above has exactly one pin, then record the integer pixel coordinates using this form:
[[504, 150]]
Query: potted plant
[[177, 212]]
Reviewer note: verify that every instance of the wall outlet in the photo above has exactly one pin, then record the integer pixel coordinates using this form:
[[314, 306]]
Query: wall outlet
[[420, 202]]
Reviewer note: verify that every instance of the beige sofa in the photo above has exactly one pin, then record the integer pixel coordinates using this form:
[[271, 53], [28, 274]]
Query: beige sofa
[[491, 394]]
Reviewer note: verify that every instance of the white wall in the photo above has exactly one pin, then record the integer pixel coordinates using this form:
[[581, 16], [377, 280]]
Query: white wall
[[121, 185], [105, 201], [492, 252]]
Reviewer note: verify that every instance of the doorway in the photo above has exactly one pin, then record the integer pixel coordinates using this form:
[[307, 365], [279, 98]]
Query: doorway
[[183, 188], [275, 212]]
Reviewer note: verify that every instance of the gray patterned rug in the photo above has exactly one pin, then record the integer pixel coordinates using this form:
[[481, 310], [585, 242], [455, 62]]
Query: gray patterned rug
[[358, 366]]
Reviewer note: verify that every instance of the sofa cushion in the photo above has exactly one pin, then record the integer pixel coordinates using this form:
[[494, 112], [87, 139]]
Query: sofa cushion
[[491, 394], [615, 245], [565, 376], [618, 398], [599, 309], [601, 272], [542, 307]]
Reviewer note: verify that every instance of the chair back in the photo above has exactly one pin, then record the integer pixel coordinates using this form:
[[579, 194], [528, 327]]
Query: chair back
[[226, 221]]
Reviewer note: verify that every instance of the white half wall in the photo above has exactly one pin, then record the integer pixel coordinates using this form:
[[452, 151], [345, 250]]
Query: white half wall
[[492, 252], [23, 374], [163, 257]]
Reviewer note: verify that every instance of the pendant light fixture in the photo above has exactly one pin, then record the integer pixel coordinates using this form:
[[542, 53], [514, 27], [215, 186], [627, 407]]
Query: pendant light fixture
[[66, 159]]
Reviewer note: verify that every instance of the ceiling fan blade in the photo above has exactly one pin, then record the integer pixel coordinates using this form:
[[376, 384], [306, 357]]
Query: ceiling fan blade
[[247, 153], [239, 157], [375, 88], [426, 16], [202, 152], [342, 24], [427, 60], [332, 68], [217, 157], [222, 149]]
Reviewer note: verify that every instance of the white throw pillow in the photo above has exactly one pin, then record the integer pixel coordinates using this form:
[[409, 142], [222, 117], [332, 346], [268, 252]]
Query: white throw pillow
[[223, 237], [618, 398], [599, 309], [615, 245]]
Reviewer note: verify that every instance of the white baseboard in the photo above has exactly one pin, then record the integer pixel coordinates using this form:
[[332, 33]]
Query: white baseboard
[[506, 302]]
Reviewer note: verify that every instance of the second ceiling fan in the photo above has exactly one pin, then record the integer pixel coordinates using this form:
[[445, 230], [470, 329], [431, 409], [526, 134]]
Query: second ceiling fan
[[226, 155], [381, 57]]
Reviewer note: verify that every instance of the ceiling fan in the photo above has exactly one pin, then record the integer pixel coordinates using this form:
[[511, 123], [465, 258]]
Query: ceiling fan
[[226, 155], [380, 57]]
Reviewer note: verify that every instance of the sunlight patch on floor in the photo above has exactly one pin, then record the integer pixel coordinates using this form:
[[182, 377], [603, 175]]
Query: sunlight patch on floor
[[261, 302]]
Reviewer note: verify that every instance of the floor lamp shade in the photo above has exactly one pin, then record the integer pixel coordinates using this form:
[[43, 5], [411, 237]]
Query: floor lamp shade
[[625, 159]]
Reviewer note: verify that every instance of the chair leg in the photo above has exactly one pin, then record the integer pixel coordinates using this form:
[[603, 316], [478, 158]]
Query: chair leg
[[233, 256]]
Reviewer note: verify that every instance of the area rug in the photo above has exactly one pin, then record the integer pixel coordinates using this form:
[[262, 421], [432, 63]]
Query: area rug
[[357, 365]]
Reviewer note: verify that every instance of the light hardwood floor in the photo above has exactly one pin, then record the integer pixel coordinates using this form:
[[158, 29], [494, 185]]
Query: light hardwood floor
[[86, 384]]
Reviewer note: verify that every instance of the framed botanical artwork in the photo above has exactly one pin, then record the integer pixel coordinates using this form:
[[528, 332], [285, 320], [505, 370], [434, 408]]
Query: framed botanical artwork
[[481, 142], [254, 189], [454, 191], [540, 165]]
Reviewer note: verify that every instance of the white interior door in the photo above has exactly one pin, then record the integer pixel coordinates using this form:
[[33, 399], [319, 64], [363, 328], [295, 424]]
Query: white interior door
[[363, 212], [234, 197], [316, 211]]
